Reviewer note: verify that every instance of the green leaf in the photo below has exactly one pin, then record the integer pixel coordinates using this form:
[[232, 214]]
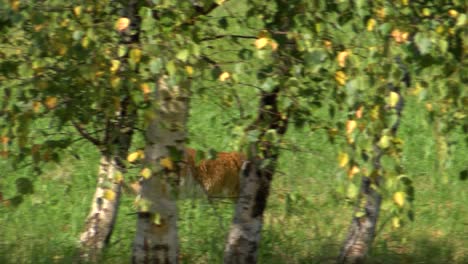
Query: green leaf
[[252, 136], [122, 50], [77, 34], [183, 55], [384, 142], [171, 67], [423, 43], [314, 60], [25, 70], [461, 21], [269, 84], [359, 214], [155, 65], [352, 191]]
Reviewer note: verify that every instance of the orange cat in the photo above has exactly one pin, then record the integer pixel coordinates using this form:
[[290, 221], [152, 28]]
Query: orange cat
[[218, 177]]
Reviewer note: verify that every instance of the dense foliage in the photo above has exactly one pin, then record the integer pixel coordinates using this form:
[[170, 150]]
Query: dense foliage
[[61, 69]]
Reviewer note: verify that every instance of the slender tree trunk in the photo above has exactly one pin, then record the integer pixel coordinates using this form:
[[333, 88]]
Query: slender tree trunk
[[101, 219], [362, 230], [156, 238], [256, 176], [361, 233], [114, 148]]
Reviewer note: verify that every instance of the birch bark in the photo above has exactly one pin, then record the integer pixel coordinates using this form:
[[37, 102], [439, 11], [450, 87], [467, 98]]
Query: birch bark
[[361, 233], [256, 176], [156, 238]]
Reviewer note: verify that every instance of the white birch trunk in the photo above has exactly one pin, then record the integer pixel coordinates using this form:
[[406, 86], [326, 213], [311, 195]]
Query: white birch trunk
[[101, 219], [256, 177], [245, 233], [362, 231], [156, 238]]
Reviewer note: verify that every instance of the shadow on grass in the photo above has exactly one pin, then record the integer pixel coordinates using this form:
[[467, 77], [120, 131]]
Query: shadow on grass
[[274, 250], [422, 250]]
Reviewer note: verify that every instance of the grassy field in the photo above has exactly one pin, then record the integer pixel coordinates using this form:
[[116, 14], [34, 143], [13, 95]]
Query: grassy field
[[305, 221]]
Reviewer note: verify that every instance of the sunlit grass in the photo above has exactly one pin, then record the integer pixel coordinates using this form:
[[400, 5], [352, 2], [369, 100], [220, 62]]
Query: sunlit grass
[[305, 222]]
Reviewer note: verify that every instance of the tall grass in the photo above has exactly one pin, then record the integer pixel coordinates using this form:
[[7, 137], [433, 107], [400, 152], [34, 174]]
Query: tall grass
[[305, 221]]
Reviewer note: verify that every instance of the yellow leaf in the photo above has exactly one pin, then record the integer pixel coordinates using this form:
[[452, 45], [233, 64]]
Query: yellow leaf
[[370, 24], [157, 219], [353, 171], [38, 28], [109, 195], [426, 12], [115, 82], [85, 42], [405, 2], [429, 107], [381, 13], [62, 50], [417, 89], [261, 42], [145, 88], [115, 65], [274, 45], [122, 24], [393, 99], [135, 55], [51, 102], [5, 140], [359, 112], [453, 13], [350, 126], [396, 222], [400, 36], [36, 106], [375, 113], [15, 5], [399, 198], [145, 173], [341, 77], [77, 10], [167, 163], [118, 177], [341, 58], [384, 142], [133, 156], [224, 76], [141, 154], [343, 159], [328, 44], [189, 70]]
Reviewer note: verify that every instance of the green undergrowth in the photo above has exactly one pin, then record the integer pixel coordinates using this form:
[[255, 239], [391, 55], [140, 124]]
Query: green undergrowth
[[305, 222]]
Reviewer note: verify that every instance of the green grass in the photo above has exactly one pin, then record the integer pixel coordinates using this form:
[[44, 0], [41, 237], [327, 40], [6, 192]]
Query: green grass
[[305, 221]]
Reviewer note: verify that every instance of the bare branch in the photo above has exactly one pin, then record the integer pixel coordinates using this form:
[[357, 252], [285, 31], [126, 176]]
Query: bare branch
[[85, 134]]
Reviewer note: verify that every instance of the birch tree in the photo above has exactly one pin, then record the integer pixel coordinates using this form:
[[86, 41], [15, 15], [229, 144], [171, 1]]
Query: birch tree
[[156, 238], [115, 146], [80, 76]]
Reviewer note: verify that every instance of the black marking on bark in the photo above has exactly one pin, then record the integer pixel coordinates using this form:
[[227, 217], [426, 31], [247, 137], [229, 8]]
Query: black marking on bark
[[252, 254], [144, 215], [261, 196], [161, 248]]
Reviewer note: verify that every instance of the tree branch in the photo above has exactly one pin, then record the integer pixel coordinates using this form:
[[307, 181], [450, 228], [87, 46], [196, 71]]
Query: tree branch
[[231, 35], [85, 134]]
